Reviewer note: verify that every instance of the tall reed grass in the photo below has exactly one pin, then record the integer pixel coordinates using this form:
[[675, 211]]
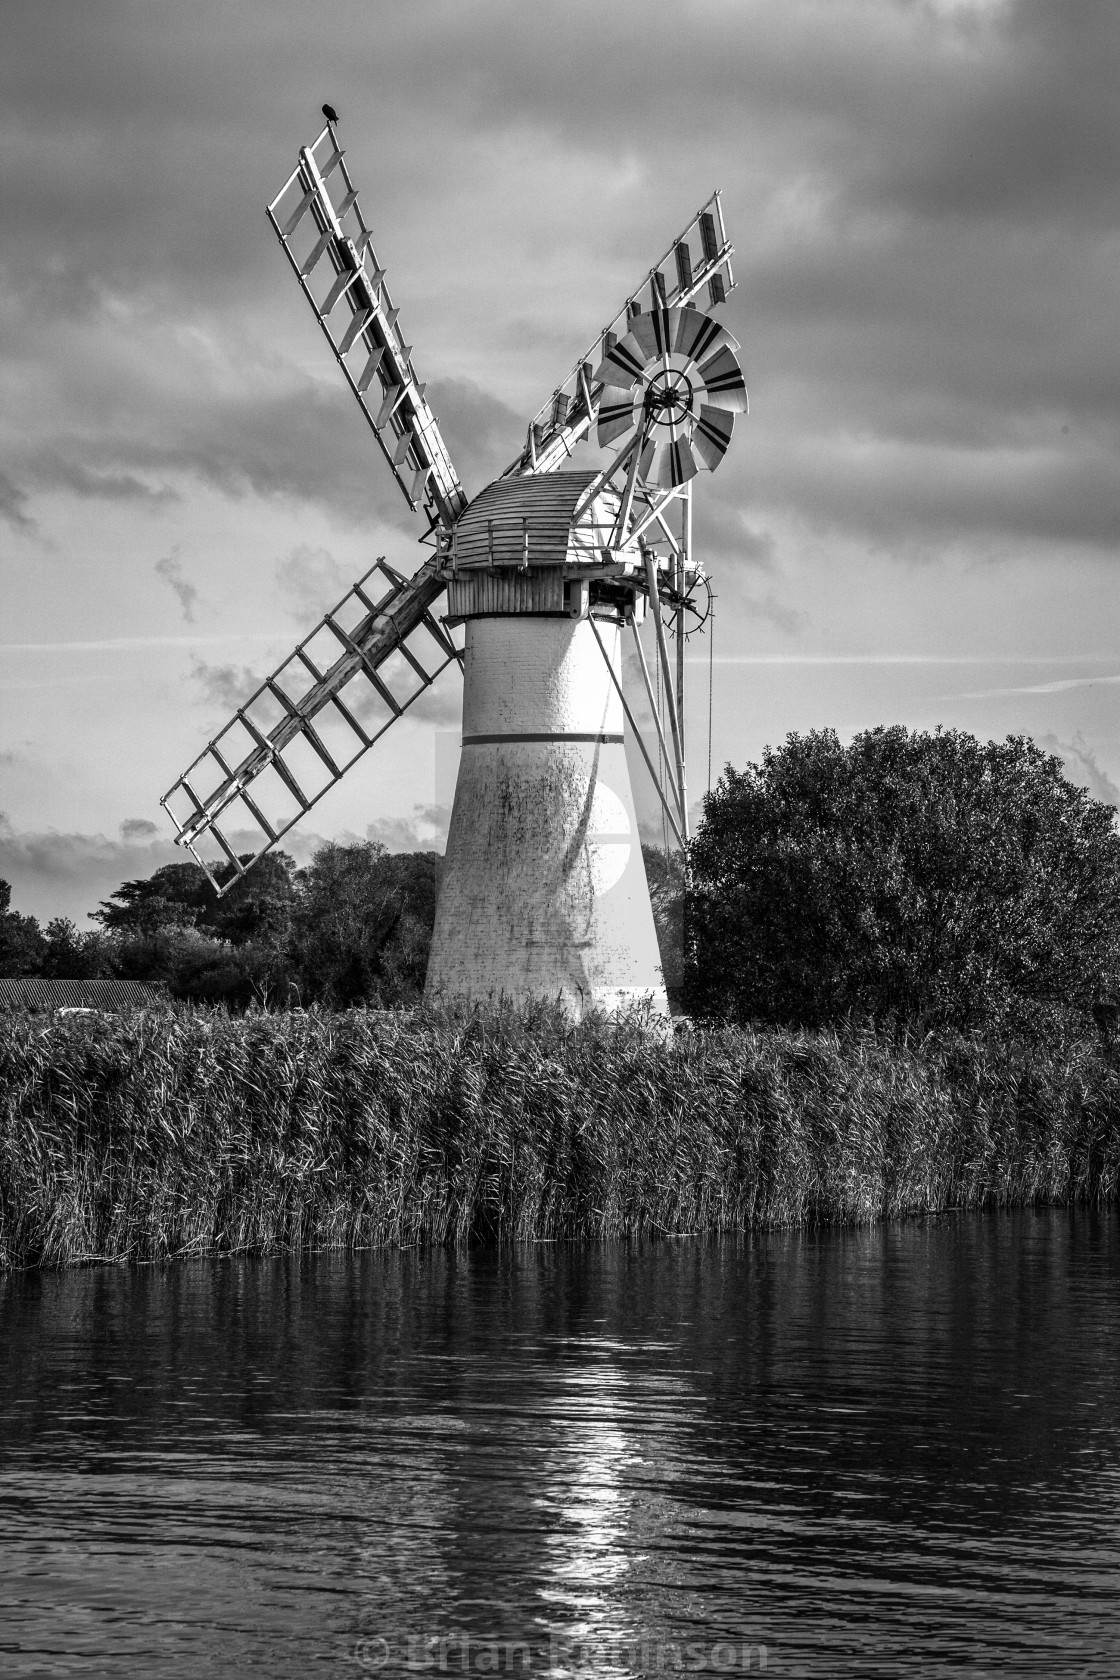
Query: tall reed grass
[[170, 1133]]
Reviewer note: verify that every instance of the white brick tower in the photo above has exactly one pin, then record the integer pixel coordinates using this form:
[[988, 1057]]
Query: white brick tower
[[544, 891]]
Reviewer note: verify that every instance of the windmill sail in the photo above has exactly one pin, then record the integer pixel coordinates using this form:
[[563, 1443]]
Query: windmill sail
[[697, 262], [319, 223], [361, 668]]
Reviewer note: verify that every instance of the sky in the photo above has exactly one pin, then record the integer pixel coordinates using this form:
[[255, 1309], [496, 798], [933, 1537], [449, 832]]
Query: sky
[[917, 523]]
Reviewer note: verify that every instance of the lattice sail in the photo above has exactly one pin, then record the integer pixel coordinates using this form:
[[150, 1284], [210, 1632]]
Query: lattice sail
[[319, 223], [360, 669], [698, 260]]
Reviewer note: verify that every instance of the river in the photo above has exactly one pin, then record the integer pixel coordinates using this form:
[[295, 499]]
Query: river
[[888, 1451]]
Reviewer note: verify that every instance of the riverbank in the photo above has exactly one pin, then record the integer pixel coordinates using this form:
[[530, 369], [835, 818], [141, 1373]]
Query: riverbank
[[157, 1134]]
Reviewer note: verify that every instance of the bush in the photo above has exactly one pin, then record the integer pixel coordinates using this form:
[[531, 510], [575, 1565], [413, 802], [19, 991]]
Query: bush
[[362, 927], [918, 877], [22, 946]]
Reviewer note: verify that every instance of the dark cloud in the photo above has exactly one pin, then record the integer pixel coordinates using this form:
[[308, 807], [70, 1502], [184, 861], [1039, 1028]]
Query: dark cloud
[[138, 828], [13, 500], [71, 475], [170, 568], [722, 531], [309, 444], [908, 498], [1025, 126], [54, 873], [482, 433], [923, 197]]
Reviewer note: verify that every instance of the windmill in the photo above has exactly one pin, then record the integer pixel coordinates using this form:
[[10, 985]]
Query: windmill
[[543, 890]]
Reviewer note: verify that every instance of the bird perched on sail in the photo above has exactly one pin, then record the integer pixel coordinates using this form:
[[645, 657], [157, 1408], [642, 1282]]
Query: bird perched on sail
[[330, 113]]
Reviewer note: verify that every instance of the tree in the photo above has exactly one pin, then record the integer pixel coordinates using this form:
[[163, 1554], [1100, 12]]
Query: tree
[[362, 925], [256, 908], [174, 930], [21, 940], [175, 896], [914, 876], [355, 926], [71, 955]]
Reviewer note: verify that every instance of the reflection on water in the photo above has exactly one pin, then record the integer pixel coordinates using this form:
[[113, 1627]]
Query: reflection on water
[[884, 1452]]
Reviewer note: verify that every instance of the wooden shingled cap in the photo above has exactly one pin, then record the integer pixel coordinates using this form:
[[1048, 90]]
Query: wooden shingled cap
[[540, 506]]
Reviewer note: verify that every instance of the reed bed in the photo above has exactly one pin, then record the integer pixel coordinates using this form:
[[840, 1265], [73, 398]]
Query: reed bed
[[168, 1133]]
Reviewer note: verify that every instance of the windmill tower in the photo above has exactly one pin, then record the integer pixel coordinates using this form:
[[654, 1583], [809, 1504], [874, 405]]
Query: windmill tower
[[542, 576]]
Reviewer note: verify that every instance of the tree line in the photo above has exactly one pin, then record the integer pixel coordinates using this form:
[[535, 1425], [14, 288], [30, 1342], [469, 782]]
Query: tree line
[[917, 878], [353, 927]]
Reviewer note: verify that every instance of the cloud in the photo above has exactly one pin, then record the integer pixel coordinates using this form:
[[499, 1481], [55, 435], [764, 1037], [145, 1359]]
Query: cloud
[[1031, 142], [1061, 685], [227, 686], [124, 644], [231, 686], [1082, 768], [138, 828], [772, 611], [170, 568], [424, 831], [722, 532], [307, 444], [913, 497], [442, 703], [55, 873], [923, 196], [482, 433], [106, 486], [12, 503], [311, 581]]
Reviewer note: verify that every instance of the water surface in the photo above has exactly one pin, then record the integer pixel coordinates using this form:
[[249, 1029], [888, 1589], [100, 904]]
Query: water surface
[[886, 1452]]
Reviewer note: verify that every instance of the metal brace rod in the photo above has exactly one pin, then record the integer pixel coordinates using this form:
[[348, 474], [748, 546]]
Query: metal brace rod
[[674, 542], [601, 480], [674, 720], [683, 559], [656, 720], [622, 518], [654, 778], [655, 513]]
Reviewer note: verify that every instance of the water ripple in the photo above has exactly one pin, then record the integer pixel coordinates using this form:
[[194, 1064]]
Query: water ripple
[[889, 1452]]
